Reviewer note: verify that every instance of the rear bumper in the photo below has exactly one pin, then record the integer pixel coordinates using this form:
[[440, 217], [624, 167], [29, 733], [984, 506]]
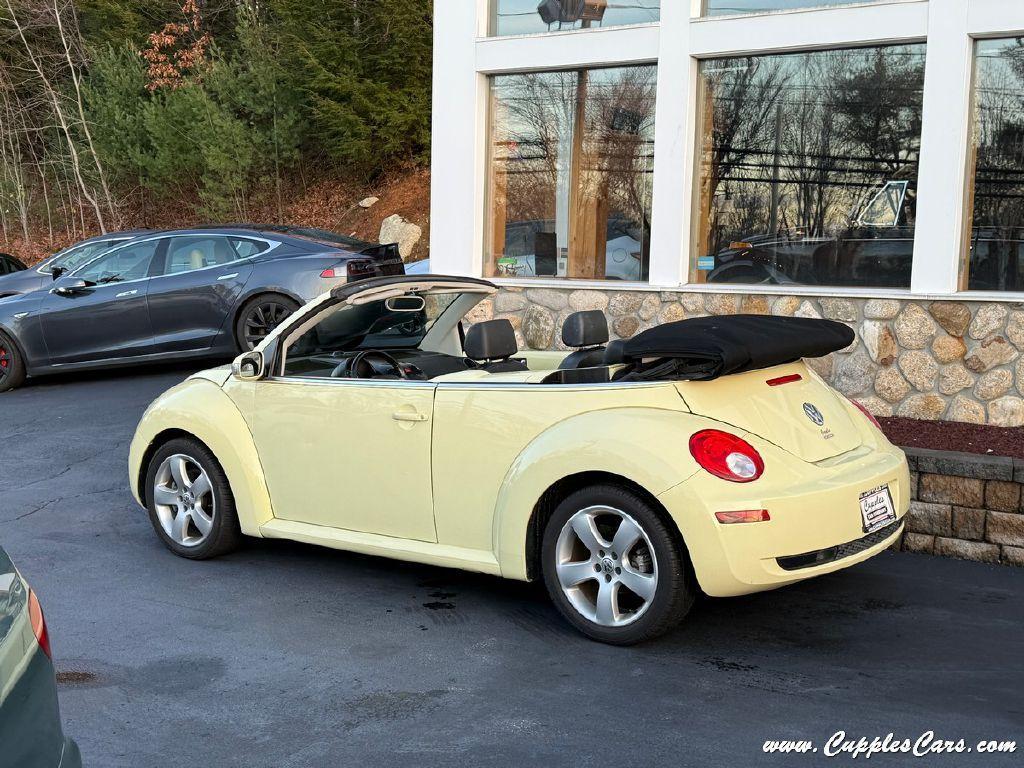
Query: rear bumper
[[815, 526]]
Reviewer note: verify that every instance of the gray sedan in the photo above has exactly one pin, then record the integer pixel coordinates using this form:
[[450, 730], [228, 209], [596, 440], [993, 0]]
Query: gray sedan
[[30, 729], [181, 294]]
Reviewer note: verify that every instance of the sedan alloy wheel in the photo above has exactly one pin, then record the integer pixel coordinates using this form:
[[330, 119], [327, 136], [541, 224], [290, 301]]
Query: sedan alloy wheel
[[263, 317]]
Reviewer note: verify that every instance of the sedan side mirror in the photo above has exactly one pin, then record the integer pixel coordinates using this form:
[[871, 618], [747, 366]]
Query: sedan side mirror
[[249, 366], [72, 288], [57, 272]]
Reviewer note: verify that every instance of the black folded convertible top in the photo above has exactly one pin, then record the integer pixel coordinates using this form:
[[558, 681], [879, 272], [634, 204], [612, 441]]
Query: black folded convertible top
[[708, 347]]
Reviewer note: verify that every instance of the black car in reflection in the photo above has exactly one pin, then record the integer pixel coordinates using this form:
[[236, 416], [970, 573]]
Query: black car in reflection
[[179, 294], [874, 249], [10, 265]]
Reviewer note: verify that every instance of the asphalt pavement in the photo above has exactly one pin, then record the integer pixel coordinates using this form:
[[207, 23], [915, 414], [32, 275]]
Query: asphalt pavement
[[291, 655]]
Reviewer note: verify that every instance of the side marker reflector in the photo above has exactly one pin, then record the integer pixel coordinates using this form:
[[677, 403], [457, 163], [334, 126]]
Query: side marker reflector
[[784, 380], [743, 516]]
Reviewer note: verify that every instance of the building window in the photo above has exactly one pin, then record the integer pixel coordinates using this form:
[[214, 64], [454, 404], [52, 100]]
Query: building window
[[572, 159], [808, 168], [731, 7], [996, 249], [525, 17]]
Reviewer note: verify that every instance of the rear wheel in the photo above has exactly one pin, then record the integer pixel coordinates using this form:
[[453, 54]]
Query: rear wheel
[[12, 365], [260, 316], [190, 502], [613, 568]]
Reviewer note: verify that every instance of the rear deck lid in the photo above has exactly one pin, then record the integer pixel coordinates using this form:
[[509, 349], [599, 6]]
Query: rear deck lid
[[785, 405]]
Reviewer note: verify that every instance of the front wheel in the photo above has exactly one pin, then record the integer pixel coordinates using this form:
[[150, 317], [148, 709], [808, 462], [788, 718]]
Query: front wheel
[[12, 365], [190, 502], [613, 568]]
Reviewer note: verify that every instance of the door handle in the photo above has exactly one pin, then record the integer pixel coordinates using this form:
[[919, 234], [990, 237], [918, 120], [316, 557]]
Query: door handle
[[408, 416], [125, 294], [228, 277]]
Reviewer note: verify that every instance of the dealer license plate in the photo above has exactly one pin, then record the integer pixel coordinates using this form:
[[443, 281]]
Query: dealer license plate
[[877, 508]]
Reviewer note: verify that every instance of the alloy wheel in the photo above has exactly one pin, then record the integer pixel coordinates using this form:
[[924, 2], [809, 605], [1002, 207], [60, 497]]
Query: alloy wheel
[[184, 500], [263, 318], [606, 566]]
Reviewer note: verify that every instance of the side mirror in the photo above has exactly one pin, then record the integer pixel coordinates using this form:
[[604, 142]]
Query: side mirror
[[249, 366], [72, 288], [57, 272]]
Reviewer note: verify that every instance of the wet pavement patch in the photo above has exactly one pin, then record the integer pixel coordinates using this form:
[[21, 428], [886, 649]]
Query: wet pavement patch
[[439, 605]]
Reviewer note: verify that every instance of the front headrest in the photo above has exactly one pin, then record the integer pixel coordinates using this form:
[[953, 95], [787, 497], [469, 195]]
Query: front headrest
[[491, 340], [585, 329]]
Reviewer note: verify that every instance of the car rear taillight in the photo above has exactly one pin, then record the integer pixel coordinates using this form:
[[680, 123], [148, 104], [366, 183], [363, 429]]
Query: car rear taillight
[[743, 516], [35, 615], [360, 269], [726, 456], [866, 412], [329, 273]]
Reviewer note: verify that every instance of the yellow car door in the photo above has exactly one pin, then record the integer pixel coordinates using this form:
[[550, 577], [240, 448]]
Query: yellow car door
[[349, 454]]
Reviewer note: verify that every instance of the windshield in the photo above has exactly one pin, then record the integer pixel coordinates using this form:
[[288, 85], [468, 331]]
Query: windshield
[[77, 255], [373, 325]]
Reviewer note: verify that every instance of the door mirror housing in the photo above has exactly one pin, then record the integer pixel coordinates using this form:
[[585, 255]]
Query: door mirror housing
[[57, 272], [249, 366], [72, 288]]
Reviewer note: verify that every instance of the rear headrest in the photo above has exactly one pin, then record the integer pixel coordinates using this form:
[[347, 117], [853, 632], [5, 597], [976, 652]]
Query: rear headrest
[[491, 340], [613, 353], [585, 329]]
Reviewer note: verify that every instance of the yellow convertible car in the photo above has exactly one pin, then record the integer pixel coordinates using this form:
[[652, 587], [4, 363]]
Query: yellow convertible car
[[698, 455]]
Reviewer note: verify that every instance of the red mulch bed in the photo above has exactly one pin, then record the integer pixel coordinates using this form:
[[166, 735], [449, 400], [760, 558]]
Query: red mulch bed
[[955, 436]]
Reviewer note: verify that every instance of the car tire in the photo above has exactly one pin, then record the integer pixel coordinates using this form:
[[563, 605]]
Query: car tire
[[590, 581], [194, 519], [259, 316], [12, 364]]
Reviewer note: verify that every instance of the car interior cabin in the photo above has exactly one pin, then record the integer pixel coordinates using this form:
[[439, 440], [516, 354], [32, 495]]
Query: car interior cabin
[[414, 330]]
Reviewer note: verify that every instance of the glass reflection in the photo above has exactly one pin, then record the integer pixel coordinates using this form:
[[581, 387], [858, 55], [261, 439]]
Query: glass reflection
[[724, 7], [996, 249], [808, 167], [524, 17], [571, 168]]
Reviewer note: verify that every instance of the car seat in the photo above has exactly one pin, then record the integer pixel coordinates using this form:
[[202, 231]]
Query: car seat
[[491, 344], [587, 332]]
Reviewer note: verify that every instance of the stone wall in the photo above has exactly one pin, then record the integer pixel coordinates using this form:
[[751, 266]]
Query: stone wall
[[966, 506], [955, 360]]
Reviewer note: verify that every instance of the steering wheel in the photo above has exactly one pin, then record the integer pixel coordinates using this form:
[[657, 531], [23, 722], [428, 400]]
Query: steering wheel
[[364, 365]]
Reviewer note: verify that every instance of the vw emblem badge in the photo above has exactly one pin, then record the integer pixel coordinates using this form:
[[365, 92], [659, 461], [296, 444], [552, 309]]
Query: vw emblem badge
[[814, 414]]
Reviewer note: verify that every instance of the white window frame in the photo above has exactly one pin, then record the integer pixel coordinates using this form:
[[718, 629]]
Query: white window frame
[[464, 59]]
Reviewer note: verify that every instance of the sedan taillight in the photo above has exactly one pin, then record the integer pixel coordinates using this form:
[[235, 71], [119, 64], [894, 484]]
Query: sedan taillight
[[35, 615], [726, 456]]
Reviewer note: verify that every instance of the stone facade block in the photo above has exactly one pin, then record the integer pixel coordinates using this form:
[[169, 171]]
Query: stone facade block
[[1005, 528], [1002, 496], [934, 519], [953, 316], [1013, 556], [947, 489], [969, 523], [919, 542], [967, 550]]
